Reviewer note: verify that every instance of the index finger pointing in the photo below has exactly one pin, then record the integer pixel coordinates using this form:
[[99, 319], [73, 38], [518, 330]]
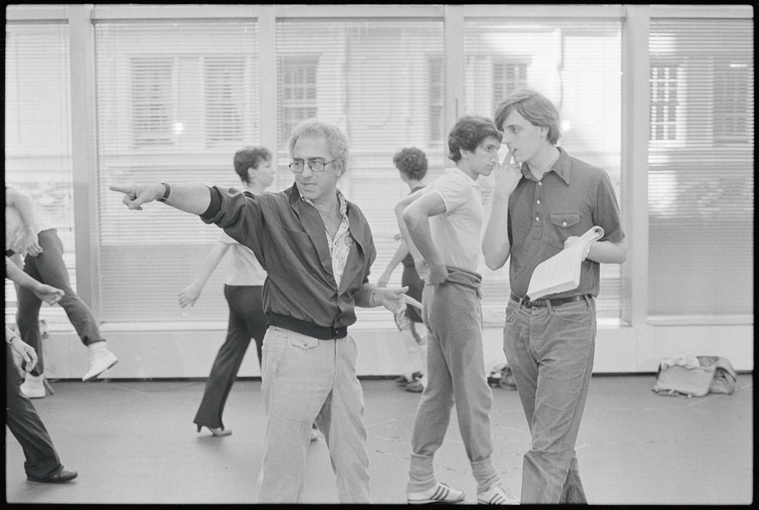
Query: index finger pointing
[[123, 188]]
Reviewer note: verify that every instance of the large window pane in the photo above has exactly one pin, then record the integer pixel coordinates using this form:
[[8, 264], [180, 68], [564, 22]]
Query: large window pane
[[38, 135], [576, 64], [175, 100], [701, 167], [381, 82]]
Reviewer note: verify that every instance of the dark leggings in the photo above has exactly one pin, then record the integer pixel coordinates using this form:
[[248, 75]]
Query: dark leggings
[[48, 267], [246, 320]]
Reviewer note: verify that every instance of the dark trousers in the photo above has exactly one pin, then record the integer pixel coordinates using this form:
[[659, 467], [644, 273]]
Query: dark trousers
[[27, 427], [246, 320], [48, 267]]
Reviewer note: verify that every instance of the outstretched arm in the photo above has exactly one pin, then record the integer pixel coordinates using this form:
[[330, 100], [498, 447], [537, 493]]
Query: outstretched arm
[[46, 293], [191, 293], [400, 254], [24, 350], [191, 198], [394, 299]]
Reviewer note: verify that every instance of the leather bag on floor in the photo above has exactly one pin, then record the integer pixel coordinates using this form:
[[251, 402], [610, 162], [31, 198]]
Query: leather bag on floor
[[695, 377]]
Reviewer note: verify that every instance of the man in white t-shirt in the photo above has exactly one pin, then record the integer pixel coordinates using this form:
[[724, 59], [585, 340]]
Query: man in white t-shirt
[[29, 233], [441, 225]]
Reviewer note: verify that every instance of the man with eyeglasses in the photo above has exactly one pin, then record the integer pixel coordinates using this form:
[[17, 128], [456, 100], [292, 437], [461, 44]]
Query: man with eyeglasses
[[317, 249]]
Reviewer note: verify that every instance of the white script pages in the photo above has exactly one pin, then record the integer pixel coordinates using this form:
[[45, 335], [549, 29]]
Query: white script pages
[[562, 271]]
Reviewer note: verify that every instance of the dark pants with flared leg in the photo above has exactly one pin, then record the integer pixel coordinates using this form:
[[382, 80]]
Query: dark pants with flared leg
[[27, 427], [246, 320], [48, 267]]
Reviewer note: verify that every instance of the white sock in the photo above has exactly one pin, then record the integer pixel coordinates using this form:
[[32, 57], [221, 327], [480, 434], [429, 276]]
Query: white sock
[[97, 347]]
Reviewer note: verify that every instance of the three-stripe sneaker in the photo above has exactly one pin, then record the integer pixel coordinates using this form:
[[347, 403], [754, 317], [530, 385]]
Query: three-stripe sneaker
[[499, 495], [441, 493]]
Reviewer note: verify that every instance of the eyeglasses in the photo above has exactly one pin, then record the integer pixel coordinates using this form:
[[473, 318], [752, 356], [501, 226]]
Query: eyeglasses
[[316, 165]]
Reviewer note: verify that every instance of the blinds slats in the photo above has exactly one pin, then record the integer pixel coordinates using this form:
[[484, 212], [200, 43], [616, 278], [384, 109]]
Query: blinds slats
[[577, 64], [38, 135], [381, 82], [701, 167], [175, 101]]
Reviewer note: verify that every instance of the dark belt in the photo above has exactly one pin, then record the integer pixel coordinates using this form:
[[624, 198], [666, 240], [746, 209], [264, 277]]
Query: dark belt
[[544, 302], [306, 328]]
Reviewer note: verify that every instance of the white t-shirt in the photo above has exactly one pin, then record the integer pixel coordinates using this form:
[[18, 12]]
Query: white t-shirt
[[244, 268], [457, 233], [15, 233]]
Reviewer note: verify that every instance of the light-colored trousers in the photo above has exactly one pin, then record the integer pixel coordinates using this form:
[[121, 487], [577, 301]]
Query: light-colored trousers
[[456, 374], [307, 380], [550, 351]]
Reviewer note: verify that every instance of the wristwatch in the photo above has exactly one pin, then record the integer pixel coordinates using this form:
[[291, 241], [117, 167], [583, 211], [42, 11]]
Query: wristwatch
[[165, 195]]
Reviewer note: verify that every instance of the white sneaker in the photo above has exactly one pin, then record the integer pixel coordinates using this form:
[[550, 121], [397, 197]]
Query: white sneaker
[[33, 386], [101, 359], [499, 495], [441, 493]]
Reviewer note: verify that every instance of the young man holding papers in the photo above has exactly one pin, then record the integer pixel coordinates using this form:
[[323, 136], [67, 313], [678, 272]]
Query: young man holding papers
[[543, 202]]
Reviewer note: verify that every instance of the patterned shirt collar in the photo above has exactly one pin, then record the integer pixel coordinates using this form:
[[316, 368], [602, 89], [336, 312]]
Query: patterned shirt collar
[[340, 245]]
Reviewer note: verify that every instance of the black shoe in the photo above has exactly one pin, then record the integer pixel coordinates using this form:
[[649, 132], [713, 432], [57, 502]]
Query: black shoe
[[60, 475]]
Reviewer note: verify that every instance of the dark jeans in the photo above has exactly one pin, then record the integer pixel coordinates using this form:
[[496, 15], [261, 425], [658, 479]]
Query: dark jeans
[[26, 426], [48, 267], [550, 351], [246, 320]]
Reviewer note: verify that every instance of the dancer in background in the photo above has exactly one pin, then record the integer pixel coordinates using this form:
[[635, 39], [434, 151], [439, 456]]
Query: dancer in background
[[42, 463], [242, 289], [30, 234], [412, 166]]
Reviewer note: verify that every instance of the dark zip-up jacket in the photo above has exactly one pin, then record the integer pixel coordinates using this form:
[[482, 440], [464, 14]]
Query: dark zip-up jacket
[[288, 237]]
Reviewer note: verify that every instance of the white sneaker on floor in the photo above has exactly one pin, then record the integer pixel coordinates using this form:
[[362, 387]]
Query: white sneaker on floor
[[441, 493], [499, 495], [101, 359], [33, 386]]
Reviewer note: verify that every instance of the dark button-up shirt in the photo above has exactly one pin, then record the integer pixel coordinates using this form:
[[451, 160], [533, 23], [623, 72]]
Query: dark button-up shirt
[[288, 238], [571, 197]]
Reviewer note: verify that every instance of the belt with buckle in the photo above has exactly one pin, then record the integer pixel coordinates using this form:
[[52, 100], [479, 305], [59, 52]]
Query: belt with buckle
[[544, 302]]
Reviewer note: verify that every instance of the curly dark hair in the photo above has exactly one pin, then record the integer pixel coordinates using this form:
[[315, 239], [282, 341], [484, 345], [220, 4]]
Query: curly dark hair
[[468, 133], [249, 157], [412, 162]]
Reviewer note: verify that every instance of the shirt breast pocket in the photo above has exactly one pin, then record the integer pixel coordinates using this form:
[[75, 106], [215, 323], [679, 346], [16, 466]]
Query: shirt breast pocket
[[564, 225]]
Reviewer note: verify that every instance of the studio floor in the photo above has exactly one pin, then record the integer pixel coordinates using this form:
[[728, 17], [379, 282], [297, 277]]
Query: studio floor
[[133, 442]]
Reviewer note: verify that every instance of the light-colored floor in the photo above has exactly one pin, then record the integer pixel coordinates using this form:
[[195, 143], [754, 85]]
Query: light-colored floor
[[135, 443]]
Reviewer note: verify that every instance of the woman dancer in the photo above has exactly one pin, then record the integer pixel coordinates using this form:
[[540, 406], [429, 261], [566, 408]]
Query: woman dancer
[[242, 289], [412, 165]]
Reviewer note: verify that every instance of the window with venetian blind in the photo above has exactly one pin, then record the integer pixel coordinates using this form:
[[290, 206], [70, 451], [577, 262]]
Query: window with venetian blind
[[175, 100], [701, 167], [38, 136], [576, 64], [381, 81]]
